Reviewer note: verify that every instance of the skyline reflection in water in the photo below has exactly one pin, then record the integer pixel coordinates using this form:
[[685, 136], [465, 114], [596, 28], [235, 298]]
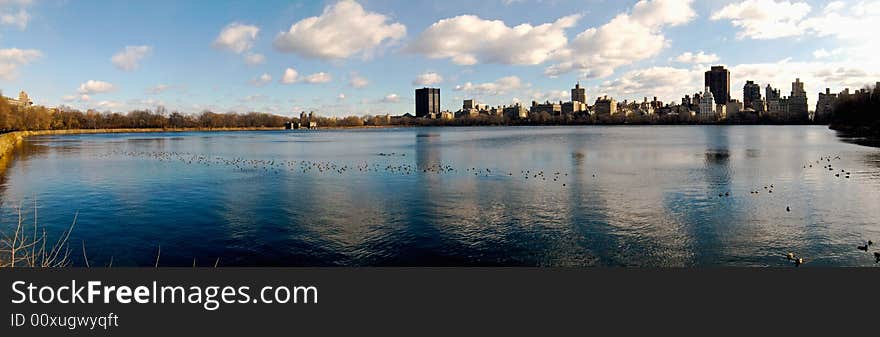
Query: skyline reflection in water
[[517, 196]]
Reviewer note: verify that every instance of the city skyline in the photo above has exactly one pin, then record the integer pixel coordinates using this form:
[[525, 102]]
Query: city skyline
[[274, 56]]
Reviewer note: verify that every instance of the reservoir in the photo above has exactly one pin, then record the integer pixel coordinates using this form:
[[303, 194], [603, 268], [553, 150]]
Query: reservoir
[[646, 196]]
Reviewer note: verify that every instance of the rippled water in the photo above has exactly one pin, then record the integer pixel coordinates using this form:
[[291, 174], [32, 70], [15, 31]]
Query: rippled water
[[623, 196]]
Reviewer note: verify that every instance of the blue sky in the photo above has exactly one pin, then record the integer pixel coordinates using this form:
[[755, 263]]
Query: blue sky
[[366, 57]]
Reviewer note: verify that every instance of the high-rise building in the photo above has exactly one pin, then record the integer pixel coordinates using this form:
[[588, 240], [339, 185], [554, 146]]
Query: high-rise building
[[772, 94], [718, 81], [797, 102], [708, 107], [825, 105], [427, 102], [751, 95], [605, 106], [579, 94]]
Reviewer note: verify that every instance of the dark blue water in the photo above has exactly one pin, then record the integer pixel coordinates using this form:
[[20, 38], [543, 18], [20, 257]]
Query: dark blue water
[[552, 196]]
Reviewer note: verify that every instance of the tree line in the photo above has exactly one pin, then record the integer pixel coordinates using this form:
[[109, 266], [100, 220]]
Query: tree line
[[858, 113], [28, 118]]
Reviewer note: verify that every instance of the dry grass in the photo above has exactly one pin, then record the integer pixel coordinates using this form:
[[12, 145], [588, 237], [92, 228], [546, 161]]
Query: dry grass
[[30, 247]]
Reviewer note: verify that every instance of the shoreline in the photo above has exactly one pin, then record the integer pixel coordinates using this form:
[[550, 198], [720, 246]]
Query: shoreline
[[9, 140], [856, 131]]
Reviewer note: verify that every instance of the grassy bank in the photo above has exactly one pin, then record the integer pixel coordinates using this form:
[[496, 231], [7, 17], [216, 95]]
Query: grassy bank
[[9, 140]]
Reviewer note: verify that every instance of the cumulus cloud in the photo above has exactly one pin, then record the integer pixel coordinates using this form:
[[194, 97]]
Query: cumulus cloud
[[851, 23], [500, 86], [265, 79], [391, 98], [237, 37], [91, 87], [547, 96], [290, 76], [341, 31], [12, 58], [469, 39], [358, 81], [857, 22], [764, 19], [666, 83], [129, 58], [317, 78], [429, 78], [772, 19], [700, 57], [626, 39]]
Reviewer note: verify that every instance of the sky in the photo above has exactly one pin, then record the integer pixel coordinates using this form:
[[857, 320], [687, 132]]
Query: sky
[[358, 57]]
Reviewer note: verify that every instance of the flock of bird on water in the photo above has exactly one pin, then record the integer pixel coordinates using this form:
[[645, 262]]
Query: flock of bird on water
[[305, 166]]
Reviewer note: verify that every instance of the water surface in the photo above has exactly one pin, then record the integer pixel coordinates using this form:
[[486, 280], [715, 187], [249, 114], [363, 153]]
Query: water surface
[[518, 196]]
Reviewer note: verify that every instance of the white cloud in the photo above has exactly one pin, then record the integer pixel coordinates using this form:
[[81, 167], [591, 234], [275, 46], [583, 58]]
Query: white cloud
[[626, 39], [834, 6], [128, 59], [265, 79], [68, 98], [12, 58], [343, 30], [254, 58], [765, 19], [429, 78], [19, 19], [823, 53], [237, 37], [700, 57], [14, 13], [469, 39], [358, 81], [290, 76], [340, 97], [158, 89], [317, 78], [500, 86], [547, 96], [666, 83], [108, 105], [771, 19], [95, 87], [857, 23], [391, 98]]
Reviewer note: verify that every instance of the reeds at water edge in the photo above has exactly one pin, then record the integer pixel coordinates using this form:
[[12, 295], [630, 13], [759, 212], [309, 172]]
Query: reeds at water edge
[[31, 248]]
